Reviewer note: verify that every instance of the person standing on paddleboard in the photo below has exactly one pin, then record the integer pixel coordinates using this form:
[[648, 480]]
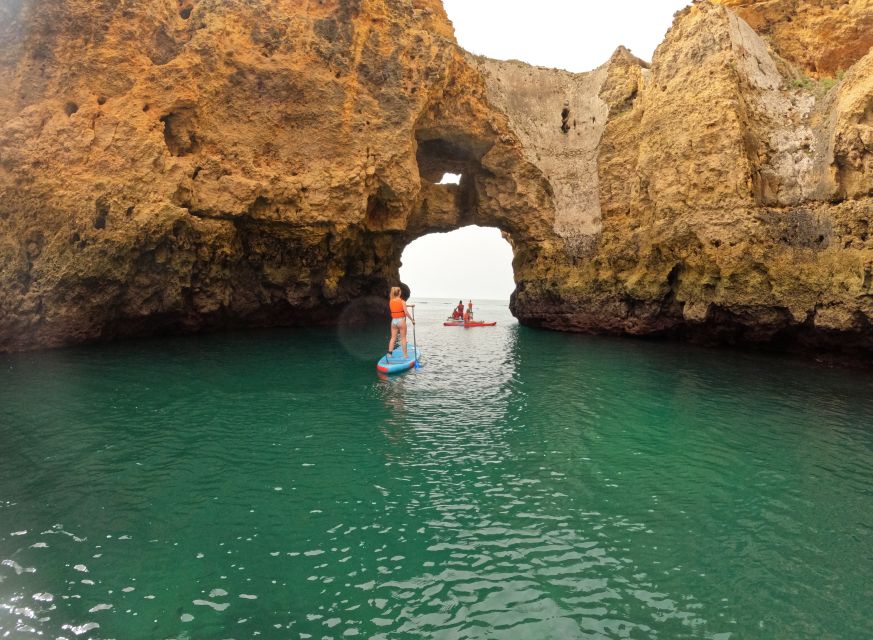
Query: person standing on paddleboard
[[399, 314]]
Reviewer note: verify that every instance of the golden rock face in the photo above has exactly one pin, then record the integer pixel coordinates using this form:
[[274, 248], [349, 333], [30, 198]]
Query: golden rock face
[[176, 166], [823, 38], [185, 165]]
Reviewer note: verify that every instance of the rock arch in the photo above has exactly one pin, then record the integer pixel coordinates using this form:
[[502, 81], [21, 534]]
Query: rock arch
[[273, 165], [254, 189]]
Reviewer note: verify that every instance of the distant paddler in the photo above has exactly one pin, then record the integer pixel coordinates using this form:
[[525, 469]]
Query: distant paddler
[[468, 314]]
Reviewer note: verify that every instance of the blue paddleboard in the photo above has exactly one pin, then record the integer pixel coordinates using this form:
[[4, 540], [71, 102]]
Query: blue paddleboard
[[397, 363]]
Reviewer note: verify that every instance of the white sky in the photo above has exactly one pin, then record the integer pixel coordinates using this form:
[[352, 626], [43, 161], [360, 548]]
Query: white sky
[[577, 35]]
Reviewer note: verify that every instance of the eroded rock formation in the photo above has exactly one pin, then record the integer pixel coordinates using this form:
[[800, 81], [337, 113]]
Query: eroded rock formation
[[824, 38], [173, 166], [732, 206], [176, 166]]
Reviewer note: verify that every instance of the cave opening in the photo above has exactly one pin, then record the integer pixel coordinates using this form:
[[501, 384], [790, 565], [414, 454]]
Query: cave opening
[[451, 172], [456, 240], [472, 262], [445, 155]]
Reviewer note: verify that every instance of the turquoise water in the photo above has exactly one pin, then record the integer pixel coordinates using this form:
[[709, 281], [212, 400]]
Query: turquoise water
[[521, 484]]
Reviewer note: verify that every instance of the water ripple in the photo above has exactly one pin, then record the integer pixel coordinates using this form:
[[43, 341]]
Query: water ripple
[[520, 485]]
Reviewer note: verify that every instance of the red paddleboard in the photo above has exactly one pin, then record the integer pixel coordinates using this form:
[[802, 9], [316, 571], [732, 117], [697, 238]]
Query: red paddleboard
[[461, 323]]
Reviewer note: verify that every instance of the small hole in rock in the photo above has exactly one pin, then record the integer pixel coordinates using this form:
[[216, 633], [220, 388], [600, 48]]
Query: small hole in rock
[[70, 108], [185, 13], [145, 108], [102, 211], [179, 133], [565, 119], [101, 100]]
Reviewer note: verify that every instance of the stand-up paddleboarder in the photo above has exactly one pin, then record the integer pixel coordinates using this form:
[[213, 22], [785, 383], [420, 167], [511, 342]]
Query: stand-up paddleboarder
[[399, 314]]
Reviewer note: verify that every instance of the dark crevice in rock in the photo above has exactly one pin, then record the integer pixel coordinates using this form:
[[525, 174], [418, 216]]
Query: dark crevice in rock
[[210, 215], [179, 132], [164, 48], [101, 207], [379, 212], [34, 245], [185, 9]]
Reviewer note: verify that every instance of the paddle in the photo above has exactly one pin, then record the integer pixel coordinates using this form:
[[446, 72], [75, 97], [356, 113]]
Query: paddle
[[414, 342]]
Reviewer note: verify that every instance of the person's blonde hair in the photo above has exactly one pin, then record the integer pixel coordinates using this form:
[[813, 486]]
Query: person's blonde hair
[[395, 292]]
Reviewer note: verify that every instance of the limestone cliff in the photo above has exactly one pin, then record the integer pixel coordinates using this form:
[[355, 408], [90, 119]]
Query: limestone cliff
[[734, 204], [559, 118], [822, 38], [178, 165]]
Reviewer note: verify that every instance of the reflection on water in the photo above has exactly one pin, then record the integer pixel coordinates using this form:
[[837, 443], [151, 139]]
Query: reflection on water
[[520, 484]]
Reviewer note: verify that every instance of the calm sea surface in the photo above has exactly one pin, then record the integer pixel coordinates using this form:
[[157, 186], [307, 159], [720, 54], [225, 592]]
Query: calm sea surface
[[521, 484]]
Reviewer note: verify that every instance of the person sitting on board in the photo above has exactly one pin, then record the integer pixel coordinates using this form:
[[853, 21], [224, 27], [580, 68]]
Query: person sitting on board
[[399, 314], [459, 310]]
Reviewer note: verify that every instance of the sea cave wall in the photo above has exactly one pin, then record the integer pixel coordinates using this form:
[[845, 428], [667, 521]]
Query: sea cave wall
[[177, 166], [171, 166]]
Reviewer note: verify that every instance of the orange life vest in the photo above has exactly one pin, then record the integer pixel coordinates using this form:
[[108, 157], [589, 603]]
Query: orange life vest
[[396, 307]]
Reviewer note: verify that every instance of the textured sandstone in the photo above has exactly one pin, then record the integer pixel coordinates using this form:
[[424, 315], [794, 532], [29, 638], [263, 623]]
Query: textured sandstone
[[559, 118], [823, 37], [734, 203], [223, 163], [174, 166]]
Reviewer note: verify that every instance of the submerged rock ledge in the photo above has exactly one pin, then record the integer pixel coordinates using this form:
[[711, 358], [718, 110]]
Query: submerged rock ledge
[[180, 165]]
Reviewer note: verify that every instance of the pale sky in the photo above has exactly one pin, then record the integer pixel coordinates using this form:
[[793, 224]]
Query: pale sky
[[576, 35], [472, 262]]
